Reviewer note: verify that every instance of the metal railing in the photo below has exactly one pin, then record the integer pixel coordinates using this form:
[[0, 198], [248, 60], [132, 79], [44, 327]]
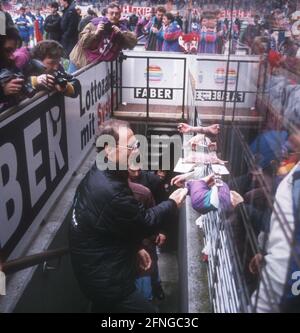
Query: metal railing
[[234, 243], [19, 264], [118, 83]]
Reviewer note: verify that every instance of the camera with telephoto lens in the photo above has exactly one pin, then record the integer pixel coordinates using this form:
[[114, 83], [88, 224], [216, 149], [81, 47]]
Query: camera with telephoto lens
[[27, 89], [61, 78]]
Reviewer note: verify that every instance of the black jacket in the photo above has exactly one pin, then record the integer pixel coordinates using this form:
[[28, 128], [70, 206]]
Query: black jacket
[[52, 27], [107, 228], [154, 184], [69, 26]]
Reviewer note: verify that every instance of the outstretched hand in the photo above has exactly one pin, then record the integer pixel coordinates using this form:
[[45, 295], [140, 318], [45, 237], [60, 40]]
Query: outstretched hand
[[184, 128]]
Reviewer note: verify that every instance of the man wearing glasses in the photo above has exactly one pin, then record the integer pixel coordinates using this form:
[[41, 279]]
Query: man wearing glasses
[[109, 224]]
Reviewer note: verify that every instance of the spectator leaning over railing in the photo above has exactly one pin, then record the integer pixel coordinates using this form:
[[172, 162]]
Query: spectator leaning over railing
[[48, 53], [102, 40]]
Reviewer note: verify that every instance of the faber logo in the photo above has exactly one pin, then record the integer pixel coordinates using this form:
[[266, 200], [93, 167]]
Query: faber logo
[[2, 284], [296, 284]]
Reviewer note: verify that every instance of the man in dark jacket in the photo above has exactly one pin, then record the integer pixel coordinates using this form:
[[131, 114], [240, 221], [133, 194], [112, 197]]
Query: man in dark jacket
[[108, 226], [52, 23], [69, 25]]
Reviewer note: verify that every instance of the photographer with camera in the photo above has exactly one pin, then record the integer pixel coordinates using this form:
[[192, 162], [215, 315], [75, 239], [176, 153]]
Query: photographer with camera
[[13, 85], [48, 53], [102, 40]]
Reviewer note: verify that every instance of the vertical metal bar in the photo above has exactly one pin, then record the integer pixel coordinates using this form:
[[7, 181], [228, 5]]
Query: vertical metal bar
[[147, 105], [259, 84], [111, 90], [121, 80], [225, 142], [117, 84], [235, 90], [183, 92]]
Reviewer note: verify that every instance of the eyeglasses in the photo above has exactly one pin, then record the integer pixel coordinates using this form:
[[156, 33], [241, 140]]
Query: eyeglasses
[[134, 146]]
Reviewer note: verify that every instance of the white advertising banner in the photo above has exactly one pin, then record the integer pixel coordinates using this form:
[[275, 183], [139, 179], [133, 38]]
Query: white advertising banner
[[166, 78], [242, 81], [41, 146], [84, 113]]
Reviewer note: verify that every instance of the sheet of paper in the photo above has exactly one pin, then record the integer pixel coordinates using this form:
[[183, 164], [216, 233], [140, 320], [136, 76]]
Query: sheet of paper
[[220, 169], [183, 167]]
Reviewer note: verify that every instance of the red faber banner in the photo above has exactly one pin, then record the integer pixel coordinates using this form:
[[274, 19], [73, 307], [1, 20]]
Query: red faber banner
[[137, 10]]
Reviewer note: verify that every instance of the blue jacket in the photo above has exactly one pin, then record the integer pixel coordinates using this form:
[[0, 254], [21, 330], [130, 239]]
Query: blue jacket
[[24, 26]]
